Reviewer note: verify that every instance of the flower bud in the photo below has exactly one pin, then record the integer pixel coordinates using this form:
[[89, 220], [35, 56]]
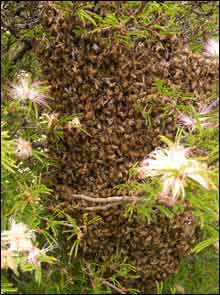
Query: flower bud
[[24, 149]]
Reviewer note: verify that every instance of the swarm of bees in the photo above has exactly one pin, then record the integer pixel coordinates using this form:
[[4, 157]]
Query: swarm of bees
[[154, 248], [104, 80]]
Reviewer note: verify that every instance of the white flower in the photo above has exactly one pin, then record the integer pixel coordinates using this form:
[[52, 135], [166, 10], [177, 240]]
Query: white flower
[[173, 186], [7, 259], [164, 160], [24, 90], [173, 168], [24, 149], [19, 237], [198, 172], [20, 244], [212, 47]]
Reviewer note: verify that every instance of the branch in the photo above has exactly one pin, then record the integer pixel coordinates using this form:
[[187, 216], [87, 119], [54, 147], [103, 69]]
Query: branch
[[99, 207], [106, 200], [91, 277], [113, 287]]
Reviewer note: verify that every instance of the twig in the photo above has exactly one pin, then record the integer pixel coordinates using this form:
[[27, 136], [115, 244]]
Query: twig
[[105, 200], [113, 287], [99, 207], [91, 277], [90, 274]]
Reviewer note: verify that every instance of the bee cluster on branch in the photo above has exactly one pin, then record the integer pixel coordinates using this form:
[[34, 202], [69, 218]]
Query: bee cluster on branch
[[98, 76]]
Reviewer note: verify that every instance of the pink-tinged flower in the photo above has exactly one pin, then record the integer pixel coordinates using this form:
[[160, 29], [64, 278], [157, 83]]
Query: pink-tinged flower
[[33, 256], [173, 167], [191, 123], [212, 47], [25, 89], [24, 149], [186, 121], [205, 121], [35, 253], [19, 237], [205, 109]]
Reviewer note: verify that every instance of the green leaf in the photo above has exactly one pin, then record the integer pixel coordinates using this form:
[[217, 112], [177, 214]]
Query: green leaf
[[38, 275], [166, 140], [204, 244], [85, 15], [165, 211], [74, 248], [39, 155]]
